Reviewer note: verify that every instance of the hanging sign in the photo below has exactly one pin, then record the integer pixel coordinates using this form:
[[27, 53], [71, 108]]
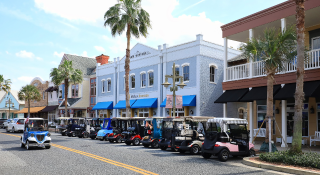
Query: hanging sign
[[179, 101], [169, 102]]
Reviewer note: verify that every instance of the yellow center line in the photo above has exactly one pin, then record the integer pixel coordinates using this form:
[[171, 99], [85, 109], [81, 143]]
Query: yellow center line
[[112, 162]]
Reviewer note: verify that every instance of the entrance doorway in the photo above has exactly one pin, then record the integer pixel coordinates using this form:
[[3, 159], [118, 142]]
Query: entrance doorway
[[290, 118]]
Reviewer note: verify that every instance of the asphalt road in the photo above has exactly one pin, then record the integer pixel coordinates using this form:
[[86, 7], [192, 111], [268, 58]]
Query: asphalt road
[[85, 156]]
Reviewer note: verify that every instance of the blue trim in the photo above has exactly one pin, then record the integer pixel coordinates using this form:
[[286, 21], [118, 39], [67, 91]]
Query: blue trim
[[103, 105], [146, 103], [122, 104]]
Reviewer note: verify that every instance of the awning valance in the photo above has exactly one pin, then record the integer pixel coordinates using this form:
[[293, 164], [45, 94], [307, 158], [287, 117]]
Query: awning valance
[[287, 92], [232, 95], [163, 104], [146, 103], [187, 100], [49, 108], [32, 110], [103, 105], [122, 104], [259, 93]]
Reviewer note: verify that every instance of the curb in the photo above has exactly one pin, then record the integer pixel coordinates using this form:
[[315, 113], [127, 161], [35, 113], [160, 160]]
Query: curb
[[247, 161]]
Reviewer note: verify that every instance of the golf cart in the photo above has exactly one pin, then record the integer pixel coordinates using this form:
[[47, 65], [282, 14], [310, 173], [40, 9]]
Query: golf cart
[[153, 130], [84, 130], [119, 124], [170, 129], [74, 123], [36, 134], [105, 129], [134, 132], [96, 126], [62, 125], [191, 135], [234, 141]]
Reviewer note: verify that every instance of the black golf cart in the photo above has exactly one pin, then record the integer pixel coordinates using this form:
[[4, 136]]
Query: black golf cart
[[73, 124], [134, 132], [84, 130], [232, 141], [118, 124], [95, 127], [170, 129]]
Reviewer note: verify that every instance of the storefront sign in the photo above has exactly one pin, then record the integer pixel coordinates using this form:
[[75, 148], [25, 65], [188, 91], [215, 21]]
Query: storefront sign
[[139, 96], [138, 54], [170, 101]]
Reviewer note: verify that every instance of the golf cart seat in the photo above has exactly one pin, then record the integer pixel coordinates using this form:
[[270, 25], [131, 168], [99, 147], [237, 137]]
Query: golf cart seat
[[183, 138], [187, 132]]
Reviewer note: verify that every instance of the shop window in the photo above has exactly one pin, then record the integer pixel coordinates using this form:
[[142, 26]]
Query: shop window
[[75, 90], [185, 73], [179, 112], [133, 81], [103, 85], [144, 112], [177, 73], [124, 113], [316, 43], [151, 78], [212, 73], [109, 85], [143, 80]]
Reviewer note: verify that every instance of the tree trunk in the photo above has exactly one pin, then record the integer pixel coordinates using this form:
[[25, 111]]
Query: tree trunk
[[66, 97], [270, 79], [299, 94], [127, 70]]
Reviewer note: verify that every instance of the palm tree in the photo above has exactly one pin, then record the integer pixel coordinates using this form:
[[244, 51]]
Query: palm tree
[[127, 15], [275, 48], [5, 85], [28, 93], [299, 94], [65, 73]]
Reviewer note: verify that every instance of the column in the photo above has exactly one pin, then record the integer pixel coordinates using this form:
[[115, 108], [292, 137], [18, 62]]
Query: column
[[225, 59], [251, 34], [284, 121], [283, 24], [251, 121], [225, 115]]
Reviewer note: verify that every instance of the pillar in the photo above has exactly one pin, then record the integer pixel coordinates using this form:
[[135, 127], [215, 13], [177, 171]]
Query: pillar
[[132, 112], [284, 121], [170, 112], [251, 35], [251, 121], [150, 112], [283, 24], [225, 58], [186, 111], [108, 113]]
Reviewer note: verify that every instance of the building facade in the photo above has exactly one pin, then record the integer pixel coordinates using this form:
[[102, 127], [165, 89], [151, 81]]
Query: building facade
[[245, 82], [8, 110], [199, 62]]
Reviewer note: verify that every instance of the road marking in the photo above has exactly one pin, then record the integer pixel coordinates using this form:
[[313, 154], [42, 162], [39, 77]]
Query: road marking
[[132, 168]]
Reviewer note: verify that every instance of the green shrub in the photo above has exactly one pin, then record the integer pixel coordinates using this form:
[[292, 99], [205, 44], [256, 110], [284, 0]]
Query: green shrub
[[308, 159]]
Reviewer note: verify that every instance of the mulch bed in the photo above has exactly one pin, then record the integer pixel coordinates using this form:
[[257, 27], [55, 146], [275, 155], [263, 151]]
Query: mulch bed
[[256, 159]]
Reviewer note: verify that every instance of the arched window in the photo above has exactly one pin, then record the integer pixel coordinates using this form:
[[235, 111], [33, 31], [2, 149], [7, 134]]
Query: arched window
[[109, 85], [212, 73], [151, 78], [103, 85], [143, 79], [185, 71], [133, 81], [177, 73]]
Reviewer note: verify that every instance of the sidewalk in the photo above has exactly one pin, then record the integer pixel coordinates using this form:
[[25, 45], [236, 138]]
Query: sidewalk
[[305, 148]]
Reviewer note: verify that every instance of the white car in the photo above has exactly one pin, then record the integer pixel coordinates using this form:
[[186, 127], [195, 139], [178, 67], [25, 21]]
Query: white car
[[16, 125], [5, 124]]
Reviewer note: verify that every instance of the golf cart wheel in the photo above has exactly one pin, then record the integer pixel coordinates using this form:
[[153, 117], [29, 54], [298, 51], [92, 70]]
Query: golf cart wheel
[[27, 145], [21, 145], [48, 147], [146, 146], [136, 142], [182, 151], [174, 149], [206, 155], [85, 135], [252, 153], [128, 143], [73, 134], [155, 144], [118, 139], [195, 149], [111, 141], [163, 147], [223, 155]]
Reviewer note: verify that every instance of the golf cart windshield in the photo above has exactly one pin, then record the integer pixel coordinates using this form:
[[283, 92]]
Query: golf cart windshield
[[36, 125], [238, 131], [213, 127], [105, 123]]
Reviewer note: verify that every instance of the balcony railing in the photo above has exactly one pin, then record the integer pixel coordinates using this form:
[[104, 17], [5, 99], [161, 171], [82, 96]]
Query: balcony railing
[[256, 69]]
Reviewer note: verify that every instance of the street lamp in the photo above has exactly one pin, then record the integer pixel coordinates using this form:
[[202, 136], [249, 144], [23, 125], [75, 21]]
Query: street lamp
[[9, 102], [174, 88]]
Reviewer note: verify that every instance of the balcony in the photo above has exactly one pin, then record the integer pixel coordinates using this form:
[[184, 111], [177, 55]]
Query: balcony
[[256, 69]]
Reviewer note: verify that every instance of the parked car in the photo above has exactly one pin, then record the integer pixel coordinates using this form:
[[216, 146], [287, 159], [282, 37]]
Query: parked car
[[234, 141], [2, 120], [16, 125], [135, 131], [105, 130], [36, 134], [5, 124]]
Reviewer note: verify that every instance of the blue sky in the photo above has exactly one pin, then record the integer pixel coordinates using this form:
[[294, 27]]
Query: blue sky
[[34, 34]]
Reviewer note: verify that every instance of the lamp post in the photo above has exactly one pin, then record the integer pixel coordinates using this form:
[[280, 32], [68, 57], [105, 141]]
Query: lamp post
[[9, 102], [174, 88]]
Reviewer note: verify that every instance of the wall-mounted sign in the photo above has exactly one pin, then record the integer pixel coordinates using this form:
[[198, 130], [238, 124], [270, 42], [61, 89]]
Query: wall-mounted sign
[[139, 96], [138, 54]]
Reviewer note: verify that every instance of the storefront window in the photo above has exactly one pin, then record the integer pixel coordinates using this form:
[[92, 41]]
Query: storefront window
[[179, 112], [144, 112]]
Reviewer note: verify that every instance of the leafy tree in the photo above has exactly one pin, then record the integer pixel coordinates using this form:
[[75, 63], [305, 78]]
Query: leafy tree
[[127, 15], [66, 73], [5, 85], [28, 93], [275, 48]]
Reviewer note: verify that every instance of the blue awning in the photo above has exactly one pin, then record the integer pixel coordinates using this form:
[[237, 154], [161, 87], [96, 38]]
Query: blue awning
[[103, 105], [122, 104], [146, 103], [187, 100]]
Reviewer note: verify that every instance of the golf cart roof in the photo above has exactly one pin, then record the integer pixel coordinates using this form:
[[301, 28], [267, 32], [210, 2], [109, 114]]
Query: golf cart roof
[[63, 118], [36, 119], [222, 121], [194, 118], [75, 118], [121, 118], [137, 118]]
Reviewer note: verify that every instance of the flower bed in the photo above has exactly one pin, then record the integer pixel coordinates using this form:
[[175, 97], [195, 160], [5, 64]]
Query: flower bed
[[308, 159]]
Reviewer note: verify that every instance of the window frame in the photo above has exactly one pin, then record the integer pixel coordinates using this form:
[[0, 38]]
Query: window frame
[[144, 112], [103, 86], [149, 72], [133, 75], [43, 95], [178, 111], [141, 80], [177, 67], [109, 88], [214, 73], [74, 90], [183, 72], [317, 37]]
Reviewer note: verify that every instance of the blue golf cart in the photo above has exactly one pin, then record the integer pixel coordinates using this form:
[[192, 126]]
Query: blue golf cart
[[106, 129], [153, 129]]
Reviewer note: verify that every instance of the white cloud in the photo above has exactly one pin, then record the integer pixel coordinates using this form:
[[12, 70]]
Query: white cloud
[[85, 54], [119, 43], [25, 54], [60, 55], [7, 52], [99, 48], [38, 58]]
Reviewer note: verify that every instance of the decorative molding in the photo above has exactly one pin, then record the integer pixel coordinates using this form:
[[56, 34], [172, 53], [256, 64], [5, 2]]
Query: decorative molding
[[213, 65], [151, 70], [185, 64], [143, 72]]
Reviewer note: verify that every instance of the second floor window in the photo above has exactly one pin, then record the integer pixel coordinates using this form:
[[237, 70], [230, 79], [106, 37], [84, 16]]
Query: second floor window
[[109, 85], [75, 90], [177, 74], [186, 73], [133, 81], [151, 78], [143, 80], [212, 71], [316, 43], [103, 85]]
